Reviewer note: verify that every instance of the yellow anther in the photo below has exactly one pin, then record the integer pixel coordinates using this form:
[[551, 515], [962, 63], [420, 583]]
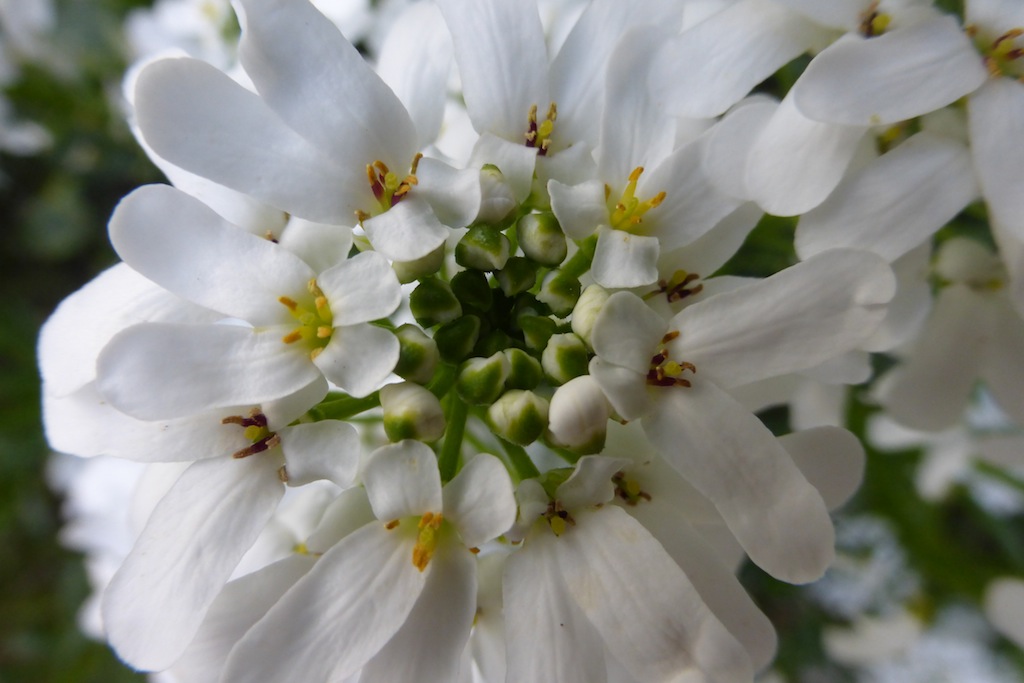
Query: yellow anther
[[315, 319], [324, 332], [392, 524], [387, 189], [282, 474], [426, 541], [628, 212], [538, 135], [292, 337], [289, 303]]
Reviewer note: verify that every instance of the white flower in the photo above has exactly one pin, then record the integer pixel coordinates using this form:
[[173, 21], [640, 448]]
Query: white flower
[[649, 369], [394, 598], [304, 324], [591, 590]]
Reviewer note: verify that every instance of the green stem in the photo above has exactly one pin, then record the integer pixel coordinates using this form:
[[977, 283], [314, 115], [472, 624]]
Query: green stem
[[448, 459], [443, 380], [520, 460], [343, 408]]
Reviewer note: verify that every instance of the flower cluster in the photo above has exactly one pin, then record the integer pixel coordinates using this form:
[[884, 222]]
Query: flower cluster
[[450, 384]]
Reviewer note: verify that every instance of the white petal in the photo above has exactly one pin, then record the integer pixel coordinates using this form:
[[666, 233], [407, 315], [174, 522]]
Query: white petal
[[318, 83], [732, 458], [241, 604], [895, 203], [627, 332], [407, 231], [729, 144], [709, 67], [429, 645], [1004, 607], [192, 542], [321, 450], [182, 245], [650, 616], [361, 289], [159, 371], [359, 358], [635, 131], [625, 389], [480, 501], [336, 617], [898, 75], [515, 161], [415, 60], [402, 480], [580, 209], [453, 194], [997, 143], [793, 320], [716, 583], [831, 458], [1001, 367], [503, 62], [713, 249], [796, 162], [319, 244], [590, 483], [548, 637], [909, 309], [930, 390], [624, 260], [198, 118], [84, 322]]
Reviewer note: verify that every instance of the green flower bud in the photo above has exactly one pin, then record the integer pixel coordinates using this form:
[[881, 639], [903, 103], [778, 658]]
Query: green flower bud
[[537, 330], [410, 271], [541, 239], [411, 412], [483, 248], [524, 370], [585, 312], [481, 380], [518, 416], [517, 276], [456, 339], [494, 341], [472, 289], [565, 357], [433, 303], [418, 355], [560, 292]]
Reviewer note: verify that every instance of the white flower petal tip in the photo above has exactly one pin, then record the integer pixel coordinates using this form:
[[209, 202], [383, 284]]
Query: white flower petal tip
[[1004, 607]]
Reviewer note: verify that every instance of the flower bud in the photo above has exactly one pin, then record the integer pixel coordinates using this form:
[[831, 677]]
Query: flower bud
[[524, 370], [565, 357], [472, 289], [481, 380], [559, 292], [585, 312], [542, 239], [579, 415], [537, 330], [433, 303], [518, 416], [411, 412], [410, 271], [456, 339], [418, 354], [483, 248], [497, 200], [517, 276]]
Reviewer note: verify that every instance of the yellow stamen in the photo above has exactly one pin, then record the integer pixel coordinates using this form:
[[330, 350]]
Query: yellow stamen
[[628, 212], [426, 541]]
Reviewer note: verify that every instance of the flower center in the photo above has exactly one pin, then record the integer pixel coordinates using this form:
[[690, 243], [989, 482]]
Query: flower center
[[873, 22], [558, 518], [628, 212], [677, 287], [538, 135], [426, 540], [666, 372], [629, 489], [386, 186], [315, 321], [256, 430], [1001, 55]]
